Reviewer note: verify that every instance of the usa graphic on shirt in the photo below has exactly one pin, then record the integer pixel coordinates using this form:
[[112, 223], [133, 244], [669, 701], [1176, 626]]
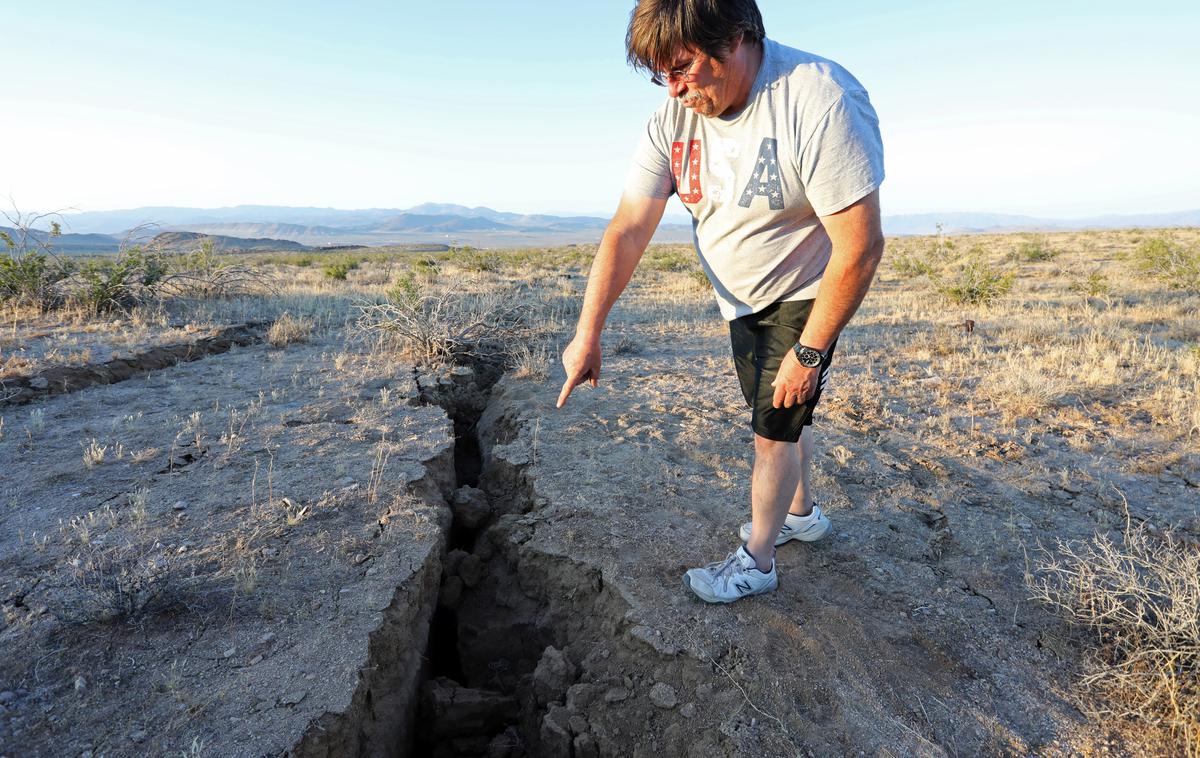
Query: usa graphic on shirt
[[764, 182]]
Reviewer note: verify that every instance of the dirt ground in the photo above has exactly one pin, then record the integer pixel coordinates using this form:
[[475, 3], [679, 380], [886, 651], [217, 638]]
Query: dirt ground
[[216, 580], [293, 550]]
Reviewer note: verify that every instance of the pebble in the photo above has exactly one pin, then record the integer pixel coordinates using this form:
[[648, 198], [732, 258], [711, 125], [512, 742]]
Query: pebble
[[663, 696], [80, 683], [688, 710], [267, 638], [179, 505], [256, 660], [229, 653], [138, 736], [616, 695], [294, 697]]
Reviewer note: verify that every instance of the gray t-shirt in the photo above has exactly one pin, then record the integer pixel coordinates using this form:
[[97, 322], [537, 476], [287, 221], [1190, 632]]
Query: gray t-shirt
[[805, 145]]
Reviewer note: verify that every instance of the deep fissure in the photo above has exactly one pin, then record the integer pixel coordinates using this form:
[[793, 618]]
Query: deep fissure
[[464, 397]]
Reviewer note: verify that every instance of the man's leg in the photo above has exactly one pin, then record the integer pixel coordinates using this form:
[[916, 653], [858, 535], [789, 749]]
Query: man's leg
[[781, 478]]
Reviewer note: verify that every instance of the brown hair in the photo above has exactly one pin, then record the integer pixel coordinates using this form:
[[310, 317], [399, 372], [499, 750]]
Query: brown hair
[[660, 29]]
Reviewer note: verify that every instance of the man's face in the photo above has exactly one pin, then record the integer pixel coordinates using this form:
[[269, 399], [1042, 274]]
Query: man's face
[[701, 83]]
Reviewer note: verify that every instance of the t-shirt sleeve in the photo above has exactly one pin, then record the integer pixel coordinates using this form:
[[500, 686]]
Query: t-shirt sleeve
[[842, 161], [650, 172]]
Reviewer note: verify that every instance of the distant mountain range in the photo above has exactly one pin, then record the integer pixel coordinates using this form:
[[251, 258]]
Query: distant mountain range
[[284, 227]]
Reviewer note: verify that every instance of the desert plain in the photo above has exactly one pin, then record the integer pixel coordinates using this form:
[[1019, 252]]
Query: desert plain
[[333, 511]]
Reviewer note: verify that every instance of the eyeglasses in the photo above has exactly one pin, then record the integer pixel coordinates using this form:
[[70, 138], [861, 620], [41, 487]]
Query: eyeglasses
[[679, 74]]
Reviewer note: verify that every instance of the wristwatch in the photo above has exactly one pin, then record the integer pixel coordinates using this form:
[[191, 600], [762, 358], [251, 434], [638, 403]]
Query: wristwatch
[[809, 357]]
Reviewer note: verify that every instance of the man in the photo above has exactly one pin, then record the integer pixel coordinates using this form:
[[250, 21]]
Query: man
[[777, 155]]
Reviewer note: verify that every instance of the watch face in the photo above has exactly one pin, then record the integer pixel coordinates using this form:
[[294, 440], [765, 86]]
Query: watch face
[[808, 357]]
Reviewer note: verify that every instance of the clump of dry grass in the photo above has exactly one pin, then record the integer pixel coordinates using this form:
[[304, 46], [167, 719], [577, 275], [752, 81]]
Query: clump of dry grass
[[529, 361], [288, 329], [115, 582], [1140, 598], [441, 326]]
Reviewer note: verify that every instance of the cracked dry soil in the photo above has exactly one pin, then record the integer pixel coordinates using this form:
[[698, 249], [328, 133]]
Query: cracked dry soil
[[355, 571]]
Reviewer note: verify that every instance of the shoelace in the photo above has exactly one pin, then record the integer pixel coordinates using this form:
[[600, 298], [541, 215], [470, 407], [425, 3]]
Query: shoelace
[[720, 569]]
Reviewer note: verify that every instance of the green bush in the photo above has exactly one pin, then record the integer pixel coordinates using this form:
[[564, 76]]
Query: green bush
[[120, 283], [669, 260], [33, 279], [406, 290], [340, 268], [1096, 285], [1035, 249], [976, 283], [1171, 261], [912, 264]]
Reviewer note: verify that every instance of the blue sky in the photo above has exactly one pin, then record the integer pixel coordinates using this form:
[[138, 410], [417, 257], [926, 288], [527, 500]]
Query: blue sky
[[1063, 109]]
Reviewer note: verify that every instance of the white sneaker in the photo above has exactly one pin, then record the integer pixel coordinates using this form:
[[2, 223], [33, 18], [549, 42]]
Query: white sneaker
[[806, 528], [734, 578]]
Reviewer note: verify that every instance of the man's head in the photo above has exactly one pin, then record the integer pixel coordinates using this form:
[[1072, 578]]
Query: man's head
[[704, 51]]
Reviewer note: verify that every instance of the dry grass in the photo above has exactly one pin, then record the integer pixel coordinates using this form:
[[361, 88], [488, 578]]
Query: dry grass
[[1139, 603], [288, 329]]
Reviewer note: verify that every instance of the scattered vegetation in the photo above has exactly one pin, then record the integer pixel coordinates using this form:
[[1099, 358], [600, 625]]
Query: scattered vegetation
[[339, 269]]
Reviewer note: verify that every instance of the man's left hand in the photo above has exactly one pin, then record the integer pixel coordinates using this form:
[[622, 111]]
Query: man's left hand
[[794, 384]]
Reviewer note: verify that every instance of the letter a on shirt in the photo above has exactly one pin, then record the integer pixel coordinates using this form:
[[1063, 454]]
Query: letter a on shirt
[[765, 179]]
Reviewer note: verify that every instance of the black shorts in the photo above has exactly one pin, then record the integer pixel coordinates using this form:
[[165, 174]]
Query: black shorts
[[760, 341]]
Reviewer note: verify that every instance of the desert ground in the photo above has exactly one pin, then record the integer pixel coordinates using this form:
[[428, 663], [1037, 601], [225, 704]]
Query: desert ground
[[326, 507]]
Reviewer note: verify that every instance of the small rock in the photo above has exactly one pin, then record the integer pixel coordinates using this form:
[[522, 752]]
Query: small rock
[[360, 558], [471, 570], [663, 696], [345, 481], [688, 710], [294, 697], [7, 696], [256, 660], [39, 382], [179, 505], [585, 747], [616, 695], [267, 638], [554, 673], [580, 696], [138, 736], [230, 652], [462, 371], [454, 559], [80, 683], [471, 507]]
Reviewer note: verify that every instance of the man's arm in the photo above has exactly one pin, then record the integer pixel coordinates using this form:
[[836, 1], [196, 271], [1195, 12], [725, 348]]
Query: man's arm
[[857, 238], [621, 248]]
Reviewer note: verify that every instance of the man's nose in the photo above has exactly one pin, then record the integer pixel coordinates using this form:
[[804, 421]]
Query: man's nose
[[676, 88]]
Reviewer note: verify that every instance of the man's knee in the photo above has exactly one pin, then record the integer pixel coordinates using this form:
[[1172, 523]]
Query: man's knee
[[764, 446]]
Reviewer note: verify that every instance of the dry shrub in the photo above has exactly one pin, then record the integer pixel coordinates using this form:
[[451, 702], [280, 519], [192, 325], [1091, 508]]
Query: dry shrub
[[115, 582], [288, 329], [440, 327], [1141, 601]]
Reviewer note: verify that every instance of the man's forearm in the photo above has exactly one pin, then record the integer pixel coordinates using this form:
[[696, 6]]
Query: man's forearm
[[843, 287], [618, 255]]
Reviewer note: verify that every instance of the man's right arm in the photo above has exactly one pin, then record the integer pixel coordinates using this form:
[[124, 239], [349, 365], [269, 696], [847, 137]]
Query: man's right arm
[[621, 248]]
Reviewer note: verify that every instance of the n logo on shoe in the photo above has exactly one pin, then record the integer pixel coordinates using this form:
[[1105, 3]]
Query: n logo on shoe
[[743, 586]]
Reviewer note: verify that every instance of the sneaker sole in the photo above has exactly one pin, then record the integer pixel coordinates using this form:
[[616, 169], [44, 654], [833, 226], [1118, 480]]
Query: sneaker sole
[[700, 592], [809, 536]]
